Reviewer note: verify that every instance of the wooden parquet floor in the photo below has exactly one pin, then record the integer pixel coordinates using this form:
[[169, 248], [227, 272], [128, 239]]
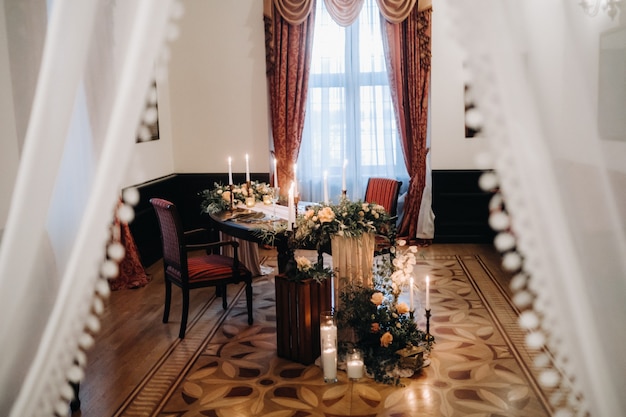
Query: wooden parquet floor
[[224, 367]]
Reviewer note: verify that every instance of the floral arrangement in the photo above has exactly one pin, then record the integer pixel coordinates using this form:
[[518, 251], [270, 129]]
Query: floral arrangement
[[319, 223], [218, 198], [383, 327]]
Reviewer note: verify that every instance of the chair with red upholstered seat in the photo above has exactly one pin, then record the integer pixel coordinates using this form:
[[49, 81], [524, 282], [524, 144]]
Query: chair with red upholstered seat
[[385, 192], [189, 270]]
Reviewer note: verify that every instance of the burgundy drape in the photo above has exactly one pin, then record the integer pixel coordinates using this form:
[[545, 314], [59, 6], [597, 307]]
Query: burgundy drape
[[131, 271], [288, 54], [407, 49]]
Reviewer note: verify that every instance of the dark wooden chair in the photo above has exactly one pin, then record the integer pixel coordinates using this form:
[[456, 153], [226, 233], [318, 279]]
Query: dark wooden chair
[[384, 191], [187, 267]]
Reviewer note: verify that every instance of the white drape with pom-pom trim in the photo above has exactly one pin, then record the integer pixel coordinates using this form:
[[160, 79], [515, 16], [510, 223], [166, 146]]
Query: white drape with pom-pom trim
[[98, 62], [543, 75]]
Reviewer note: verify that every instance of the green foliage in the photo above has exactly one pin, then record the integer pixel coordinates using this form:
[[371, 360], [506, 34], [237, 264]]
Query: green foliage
[[218, 198]]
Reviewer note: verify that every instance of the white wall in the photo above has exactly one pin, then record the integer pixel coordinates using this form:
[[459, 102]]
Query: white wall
[[449, 147], [218, 88]]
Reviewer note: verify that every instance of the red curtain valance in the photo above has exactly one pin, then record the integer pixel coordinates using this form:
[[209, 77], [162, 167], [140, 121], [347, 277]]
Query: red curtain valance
[[344, 12]]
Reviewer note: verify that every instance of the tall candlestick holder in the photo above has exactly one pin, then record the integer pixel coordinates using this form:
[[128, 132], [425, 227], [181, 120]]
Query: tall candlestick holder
[[296, 200], [344, 194], [250, 200], [428, 338], [232, 187]]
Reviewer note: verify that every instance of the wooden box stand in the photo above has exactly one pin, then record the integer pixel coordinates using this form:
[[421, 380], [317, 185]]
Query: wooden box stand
[[298, 308]]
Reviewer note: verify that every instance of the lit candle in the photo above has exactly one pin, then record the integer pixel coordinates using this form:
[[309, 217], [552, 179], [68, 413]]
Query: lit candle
[[295, 179], [291, 217], [343, 179], [411, 293], [355, 366], [230, 170], [328, 345], [326, 187], [247, 169], [427, 292], [329, 363], [275, 173]]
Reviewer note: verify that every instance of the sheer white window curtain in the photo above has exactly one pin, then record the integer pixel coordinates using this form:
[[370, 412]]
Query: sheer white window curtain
[[349, 112]]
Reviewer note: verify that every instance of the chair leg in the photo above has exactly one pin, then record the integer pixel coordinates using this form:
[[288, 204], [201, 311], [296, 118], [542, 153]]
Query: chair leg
[[183, 320], [168, 299], [249, 301], [224, 296]]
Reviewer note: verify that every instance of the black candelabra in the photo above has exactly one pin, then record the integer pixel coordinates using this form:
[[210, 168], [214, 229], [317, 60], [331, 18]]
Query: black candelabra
[[428, 337]]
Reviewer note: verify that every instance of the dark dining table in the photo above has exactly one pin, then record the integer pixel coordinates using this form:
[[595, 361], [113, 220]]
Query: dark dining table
[[242, 223]]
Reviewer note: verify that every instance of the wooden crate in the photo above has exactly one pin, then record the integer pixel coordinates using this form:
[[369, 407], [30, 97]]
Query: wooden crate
[[298, 308]]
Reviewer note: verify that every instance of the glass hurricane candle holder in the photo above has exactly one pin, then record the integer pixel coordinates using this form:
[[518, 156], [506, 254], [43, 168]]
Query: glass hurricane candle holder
[[250, 202], [328, 345], [354, 365]]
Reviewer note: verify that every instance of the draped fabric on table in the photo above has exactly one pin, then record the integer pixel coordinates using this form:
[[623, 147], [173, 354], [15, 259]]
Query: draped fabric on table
[[248, 253], [407, 47], [353, 258], [288, 38]]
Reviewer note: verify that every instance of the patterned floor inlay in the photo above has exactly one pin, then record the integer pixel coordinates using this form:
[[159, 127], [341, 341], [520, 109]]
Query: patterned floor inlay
[[172, 367], [474, 370]]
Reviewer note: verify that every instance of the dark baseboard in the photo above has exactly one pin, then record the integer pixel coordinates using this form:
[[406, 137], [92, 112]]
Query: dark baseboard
[[460, 207]]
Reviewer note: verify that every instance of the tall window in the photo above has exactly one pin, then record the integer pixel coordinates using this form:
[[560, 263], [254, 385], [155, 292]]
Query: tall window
[[349, 112]]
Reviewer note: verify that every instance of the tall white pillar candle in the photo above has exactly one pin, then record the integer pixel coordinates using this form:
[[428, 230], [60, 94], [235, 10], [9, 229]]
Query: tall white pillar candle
[[291, 218], [329, 364], [295, 179], [427, 292], [325, 187], [343, 176], [411, 293], [275, 173], [247, 169], [230, 170]]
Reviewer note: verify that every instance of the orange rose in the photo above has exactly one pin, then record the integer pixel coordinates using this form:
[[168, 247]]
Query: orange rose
[[402, 308], [386, 339], [326, 215], [377, 298], [375, 327]]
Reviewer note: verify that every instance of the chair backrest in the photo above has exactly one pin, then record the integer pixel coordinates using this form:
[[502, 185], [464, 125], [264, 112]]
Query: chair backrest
[[383, 191], [172, 236]]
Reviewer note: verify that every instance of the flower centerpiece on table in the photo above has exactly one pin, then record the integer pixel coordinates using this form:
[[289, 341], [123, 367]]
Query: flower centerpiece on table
[[385, 330], [316, 226], [219, 197]]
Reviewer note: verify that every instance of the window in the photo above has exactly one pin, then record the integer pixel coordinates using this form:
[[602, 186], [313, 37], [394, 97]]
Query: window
[[349, 111]]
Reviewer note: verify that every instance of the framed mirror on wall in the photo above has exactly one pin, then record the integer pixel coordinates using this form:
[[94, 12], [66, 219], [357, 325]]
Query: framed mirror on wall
[[149, 127], [612, 85]]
